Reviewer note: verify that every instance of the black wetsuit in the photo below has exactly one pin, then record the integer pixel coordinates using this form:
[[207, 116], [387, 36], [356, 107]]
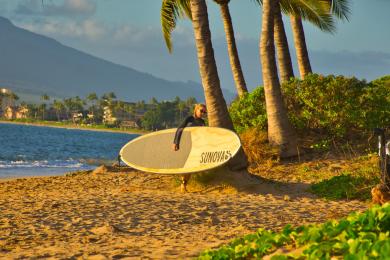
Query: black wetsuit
[[188, 122]]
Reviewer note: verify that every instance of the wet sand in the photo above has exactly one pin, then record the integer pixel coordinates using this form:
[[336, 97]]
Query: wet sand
[[135, 215]]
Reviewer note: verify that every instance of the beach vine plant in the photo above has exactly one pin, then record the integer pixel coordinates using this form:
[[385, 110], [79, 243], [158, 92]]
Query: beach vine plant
[[358, 236]]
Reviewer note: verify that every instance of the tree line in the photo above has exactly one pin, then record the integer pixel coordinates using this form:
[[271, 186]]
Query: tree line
[[151, 115]]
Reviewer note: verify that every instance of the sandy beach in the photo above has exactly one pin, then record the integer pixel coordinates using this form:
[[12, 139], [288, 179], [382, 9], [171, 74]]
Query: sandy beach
[[119, 214]]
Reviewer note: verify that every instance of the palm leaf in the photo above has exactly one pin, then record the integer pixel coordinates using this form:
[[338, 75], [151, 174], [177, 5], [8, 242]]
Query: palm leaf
[[340, 8], [314, 11], [171, 11]]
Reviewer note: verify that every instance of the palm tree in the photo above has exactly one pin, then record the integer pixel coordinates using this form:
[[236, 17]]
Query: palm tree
[[13, 97], [181, 106], [340, 8], [283, 52], [190, 102], [181, 8], [58, 107], [44, 98], [217, 110], [93, 98], [280, 132], [232, 48], [310, 10]]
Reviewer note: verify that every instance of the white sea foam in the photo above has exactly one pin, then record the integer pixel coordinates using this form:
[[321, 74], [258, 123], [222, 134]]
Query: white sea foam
[[43, 164]]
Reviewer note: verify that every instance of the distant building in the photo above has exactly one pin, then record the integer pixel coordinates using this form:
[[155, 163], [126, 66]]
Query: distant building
[[9, 112], [130, 124], [5, 99], [108, 116], [15, 112], [22, 112], [77, 117], [5, 91], [122, 118]]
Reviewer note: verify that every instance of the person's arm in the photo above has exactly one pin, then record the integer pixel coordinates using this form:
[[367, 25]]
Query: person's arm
[[179, 131]]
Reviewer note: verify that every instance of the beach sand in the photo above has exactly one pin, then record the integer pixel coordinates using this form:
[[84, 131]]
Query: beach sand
[[133, 215]]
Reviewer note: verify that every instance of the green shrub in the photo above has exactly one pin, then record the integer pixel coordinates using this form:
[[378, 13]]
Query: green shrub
[[376, 103], [249, 111], [332, 104], [328, 103], [358, 236]]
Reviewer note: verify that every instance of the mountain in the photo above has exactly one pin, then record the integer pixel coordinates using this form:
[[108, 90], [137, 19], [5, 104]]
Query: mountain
[[32, 64]]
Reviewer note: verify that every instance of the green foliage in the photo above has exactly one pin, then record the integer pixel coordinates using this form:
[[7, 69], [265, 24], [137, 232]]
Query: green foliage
[[171, 11], [331, 104], [359, 236], [322, 145], [152, 119], [376, 103], [249, 111], [353, 180], [165, 114], [346, 186]]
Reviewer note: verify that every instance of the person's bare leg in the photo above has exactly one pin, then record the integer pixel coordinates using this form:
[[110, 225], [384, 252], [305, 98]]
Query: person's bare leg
[[184, 180]]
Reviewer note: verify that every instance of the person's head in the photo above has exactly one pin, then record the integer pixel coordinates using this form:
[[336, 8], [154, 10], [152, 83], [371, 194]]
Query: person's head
[[200, 110]]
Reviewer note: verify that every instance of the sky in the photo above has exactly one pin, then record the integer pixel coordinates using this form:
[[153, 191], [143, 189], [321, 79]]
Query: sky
[[128, 32]]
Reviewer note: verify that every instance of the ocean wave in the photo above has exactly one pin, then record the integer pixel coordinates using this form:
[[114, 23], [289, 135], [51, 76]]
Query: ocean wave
[[43, 164]]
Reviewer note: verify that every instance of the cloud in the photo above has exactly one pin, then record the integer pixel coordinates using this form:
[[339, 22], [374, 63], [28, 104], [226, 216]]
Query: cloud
[[125, 35], [88, 29], [47, 8]]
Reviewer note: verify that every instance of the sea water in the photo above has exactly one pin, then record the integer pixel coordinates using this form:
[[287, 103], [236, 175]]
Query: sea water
[[27, 150]]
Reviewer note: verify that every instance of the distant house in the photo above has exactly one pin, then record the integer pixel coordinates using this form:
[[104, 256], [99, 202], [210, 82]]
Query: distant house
[[130, 124], [108, 116], [9, 112], [15, 112], [5, 99], [5, 91], [77, 117], [121, 117], [22, 112]]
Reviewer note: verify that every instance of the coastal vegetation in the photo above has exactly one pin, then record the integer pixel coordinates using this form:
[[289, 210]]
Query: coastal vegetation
[[358, 236], [105, 112], [333, 106]]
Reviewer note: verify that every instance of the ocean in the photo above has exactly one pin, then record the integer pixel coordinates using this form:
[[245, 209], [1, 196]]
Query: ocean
[[27, 150]]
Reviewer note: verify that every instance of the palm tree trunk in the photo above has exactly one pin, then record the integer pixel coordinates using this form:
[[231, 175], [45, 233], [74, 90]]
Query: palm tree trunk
[[300, 46], [218, 114], [283, 52], [232, 49], [280, 132]]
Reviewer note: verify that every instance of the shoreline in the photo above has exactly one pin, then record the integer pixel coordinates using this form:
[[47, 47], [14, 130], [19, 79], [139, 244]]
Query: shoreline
[[77, 127]]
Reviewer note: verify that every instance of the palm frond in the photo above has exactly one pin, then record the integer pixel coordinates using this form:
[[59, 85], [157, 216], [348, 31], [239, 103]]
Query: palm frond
[[314, 11], [340, 8], [260, 2], [171, 11]]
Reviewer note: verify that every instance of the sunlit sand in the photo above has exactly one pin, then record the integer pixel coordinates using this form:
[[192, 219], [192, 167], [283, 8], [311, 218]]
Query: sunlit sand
[[124, 213]]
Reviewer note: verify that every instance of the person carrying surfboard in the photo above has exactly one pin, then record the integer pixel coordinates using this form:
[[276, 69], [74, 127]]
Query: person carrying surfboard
[[196, 119]]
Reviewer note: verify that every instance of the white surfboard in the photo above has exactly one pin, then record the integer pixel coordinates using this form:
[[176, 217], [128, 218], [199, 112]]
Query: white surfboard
[[201, 149]]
